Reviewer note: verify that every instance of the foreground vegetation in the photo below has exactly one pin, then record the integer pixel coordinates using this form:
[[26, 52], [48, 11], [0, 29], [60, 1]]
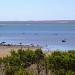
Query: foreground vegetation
[[57, 63]]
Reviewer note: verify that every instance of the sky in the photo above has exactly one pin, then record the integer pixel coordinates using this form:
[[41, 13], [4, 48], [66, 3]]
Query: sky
[[25, 10]]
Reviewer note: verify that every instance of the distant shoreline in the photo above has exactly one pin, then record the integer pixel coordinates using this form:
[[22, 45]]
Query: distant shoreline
[[38, 22]]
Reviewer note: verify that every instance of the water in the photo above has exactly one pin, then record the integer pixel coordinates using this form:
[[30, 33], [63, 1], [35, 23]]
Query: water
[[39, 34]]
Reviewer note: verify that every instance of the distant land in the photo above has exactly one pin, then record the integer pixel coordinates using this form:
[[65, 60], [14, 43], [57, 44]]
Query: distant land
[[37, 22]]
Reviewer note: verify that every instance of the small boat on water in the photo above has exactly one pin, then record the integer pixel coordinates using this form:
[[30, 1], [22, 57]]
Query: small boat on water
[[64, 40], [55, 34]]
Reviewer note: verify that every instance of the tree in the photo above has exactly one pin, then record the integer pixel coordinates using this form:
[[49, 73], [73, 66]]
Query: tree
[[45, 64], [27, 56], [62, 62], [39, 56]]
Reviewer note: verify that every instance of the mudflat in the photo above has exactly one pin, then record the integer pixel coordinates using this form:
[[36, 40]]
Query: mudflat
[[5, 49]]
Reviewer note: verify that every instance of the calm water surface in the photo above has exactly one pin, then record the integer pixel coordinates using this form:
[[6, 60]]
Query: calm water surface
[[39, 34]]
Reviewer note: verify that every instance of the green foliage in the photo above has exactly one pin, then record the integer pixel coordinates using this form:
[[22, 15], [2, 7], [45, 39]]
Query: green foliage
[[21, 72], [24, 72], [9, 71], [62, 62], [39, 55], [59, 63], [0, 60], [19, 60], [39, 58], [70, 72], [27, 56]]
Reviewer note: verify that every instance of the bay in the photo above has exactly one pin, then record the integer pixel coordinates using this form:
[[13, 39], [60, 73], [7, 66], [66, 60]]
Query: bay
[[48, 35]]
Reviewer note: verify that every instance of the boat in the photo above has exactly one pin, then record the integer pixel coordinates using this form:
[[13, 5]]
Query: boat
[[64, 40]]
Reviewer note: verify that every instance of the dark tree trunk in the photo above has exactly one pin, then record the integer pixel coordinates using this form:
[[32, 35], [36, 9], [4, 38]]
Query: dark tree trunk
[[38, 69], [46, 69]]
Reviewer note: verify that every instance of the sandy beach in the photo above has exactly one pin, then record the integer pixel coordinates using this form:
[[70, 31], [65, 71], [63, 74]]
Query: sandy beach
[[5, 49]]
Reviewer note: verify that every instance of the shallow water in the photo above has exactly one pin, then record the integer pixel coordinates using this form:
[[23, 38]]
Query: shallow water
[[39, 34]]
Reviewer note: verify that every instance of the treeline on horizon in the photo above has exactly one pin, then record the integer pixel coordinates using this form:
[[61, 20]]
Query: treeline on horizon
[[56, 63], [37, 22]]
